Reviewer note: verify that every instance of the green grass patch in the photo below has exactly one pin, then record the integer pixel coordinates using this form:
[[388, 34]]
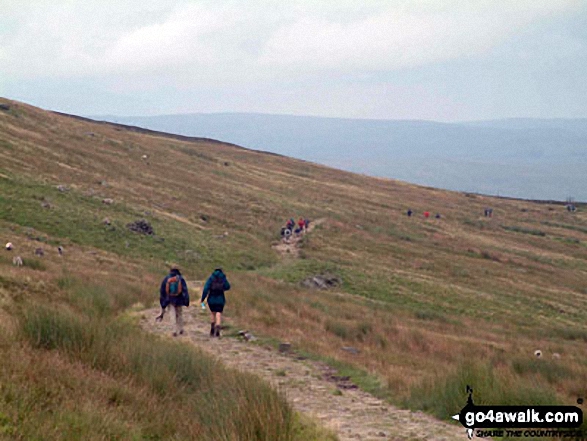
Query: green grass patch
[[445, 396]]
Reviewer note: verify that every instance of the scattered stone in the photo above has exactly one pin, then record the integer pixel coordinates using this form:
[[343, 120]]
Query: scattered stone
[[141, 226], [4, 107], [91, 134], [556, 356], [247, 336], [108, 201], [538, 353], [17, 261], [39, 252], [204, 217], [106, 221], [46, 204], [350, 349], [323, 281], [103, 183], [284, 347], [226, 164], [9, 246], [60, 250], [144, 157], [62, 188]]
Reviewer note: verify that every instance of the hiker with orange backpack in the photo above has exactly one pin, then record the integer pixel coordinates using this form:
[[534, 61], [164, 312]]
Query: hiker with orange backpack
[[214, 290], [174, 292]]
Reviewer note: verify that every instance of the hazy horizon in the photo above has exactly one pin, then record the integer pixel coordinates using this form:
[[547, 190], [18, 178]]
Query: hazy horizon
[[524, 158]]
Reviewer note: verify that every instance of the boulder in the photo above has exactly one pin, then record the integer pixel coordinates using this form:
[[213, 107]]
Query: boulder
[[323, 281]]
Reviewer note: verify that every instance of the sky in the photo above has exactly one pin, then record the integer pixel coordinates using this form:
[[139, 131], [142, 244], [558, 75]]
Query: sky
[[442, 60]]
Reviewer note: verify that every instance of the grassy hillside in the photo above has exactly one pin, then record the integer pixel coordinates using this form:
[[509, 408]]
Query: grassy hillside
[[429, 303]]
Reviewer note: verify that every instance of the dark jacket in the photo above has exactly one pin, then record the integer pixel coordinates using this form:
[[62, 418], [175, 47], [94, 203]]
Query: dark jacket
[[182, 300], [215, 298]]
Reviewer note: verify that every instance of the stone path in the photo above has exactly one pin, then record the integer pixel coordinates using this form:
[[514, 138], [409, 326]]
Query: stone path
[[311, 387]]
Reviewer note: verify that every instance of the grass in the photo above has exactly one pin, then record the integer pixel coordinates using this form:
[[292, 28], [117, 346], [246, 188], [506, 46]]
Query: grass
[[195, 384], [417, 295], [445, 396]]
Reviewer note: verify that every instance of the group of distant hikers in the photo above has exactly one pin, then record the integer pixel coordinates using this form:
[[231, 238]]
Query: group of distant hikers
[[426, 214], [174, 295], [293, 228]]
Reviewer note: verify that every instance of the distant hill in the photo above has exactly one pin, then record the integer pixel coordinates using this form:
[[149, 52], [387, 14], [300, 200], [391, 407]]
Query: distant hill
[[525, 158]]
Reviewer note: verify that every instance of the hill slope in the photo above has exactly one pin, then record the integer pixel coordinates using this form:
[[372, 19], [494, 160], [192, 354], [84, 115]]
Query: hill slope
[[419, 299]]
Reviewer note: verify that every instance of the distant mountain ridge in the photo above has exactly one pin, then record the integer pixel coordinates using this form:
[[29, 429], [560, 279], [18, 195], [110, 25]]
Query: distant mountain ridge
[[523, 157]]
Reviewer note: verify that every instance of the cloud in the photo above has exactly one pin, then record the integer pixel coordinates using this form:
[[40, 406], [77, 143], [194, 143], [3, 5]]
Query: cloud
[[190, 43], [401, 37]]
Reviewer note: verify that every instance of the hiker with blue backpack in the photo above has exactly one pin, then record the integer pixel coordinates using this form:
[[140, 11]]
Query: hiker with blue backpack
[[174, 294], [214, 290]]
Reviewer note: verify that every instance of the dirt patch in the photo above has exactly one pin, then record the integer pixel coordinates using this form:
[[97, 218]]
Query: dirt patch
[[311, 387]]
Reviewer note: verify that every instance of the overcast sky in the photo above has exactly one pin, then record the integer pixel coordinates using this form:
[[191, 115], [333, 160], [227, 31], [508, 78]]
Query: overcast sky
[[441, 60]]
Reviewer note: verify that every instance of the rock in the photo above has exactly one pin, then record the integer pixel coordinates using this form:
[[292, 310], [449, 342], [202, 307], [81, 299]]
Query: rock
[[538, 353], [141, 226], [350, 349], [323, 281], [39, 252], [556, 356], [144, 157], [60, 250], [106, 221], [204, 217], [9, 246], [62, 188], [226, 164], [4, 107], [108, 201], [247, 336], [46, 205], [284, 347]]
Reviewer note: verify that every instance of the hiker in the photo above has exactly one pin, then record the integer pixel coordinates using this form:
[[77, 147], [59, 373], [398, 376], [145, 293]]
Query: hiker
[[290, 224], [301, 224], [214, 291], [409, 213], [174, 292], [306, 223], [426, 214]]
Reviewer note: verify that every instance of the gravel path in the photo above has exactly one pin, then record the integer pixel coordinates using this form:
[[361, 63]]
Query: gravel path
[[312, 387]]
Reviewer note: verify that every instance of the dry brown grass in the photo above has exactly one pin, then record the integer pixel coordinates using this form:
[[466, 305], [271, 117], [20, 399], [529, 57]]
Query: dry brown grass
[[418, 295]]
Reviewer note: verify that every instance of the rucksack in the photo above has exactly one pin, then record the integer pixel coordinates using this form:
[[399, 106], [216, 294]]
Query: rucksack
[[174, 288], [217, 286]]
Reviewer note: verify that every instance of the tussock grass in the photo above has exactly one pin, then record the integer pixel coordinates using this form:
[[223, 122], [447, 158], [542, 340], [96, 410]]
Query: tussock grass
[[444, 396], [210, 401]]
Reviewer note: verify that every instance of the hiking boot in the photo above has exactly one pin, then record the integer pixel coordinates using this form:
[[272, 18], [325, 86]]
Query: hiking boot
[[212, 330], [217, 330]]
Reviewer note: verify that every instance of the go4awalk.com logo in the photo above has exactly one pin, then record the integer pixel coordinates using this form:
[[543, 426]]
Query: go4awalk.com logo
[[521, 421]]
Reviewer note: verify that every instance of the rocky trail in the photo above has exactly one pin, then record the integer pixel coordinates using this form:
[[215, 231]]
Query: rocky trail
[[291, 247], [312, 388]]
